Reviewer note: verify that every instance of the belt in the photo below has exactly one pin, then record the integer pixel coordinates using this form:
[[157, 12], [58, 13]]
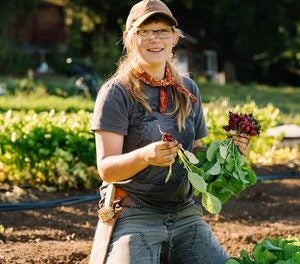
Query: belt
[[127, 202], [115, 200]]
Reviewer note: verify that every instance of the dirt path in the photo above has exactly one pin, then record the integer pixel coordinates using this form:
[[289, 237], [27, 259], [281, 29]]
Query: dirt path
[[64, 234]]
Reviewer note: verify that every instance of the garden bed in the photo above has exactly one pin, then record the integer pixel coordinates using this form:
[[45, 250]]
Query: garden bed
[[64, 234]]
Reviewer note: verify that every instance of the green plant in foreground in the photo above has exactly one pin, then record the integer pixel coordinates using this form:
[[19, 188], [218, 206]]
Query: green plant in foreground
[[222, 170], [270, 251], [211, 203]]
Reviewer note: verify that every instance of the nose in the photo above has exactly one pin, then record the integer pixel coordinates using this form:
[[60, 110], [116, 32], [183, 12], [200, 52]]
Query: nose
[[154, 34]]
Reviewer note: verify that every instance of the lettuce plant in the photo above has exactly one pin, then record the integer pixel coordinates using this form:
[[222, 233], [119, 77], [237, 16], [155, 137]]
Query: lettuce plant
[[270, 251]]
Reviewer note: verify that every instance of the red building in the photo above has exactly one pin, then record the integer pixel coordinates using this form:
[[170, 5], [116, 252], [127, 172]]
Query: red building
[[46, 27]]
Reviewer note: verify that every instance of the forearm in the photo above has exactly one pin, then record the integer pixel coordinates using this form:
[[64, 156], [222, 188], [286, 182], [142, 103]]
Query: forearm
[[121, 167]]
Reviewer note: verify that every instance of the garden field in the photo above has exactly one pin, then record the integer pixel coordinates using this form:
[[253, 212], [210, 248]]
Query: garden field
[[47, 149], [64, 234]]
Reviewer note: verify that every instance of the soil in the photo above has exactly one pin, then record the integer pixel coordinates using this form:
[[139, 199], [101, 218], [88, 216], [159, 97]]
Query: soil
[[64, 234]]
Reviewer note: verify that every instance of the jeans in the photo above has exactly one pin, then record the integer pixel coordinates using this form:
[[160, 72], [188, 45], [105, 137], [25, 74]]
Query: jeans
[[143, 237]]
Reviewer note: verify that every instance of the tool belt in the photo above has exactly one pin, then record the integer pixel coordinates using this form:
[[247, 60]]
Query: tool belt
[[111, 206]]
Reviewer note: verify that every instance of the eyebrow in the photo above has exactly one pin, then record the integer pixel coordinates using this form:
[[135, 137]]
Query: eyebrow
[[171, 27]]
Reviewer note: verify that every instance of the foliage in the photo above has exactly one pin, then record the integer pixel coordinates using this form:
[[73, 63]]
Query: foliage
[[286, 98], [221, 171], [89, 37], [196, 176], [262, 51], [47, 149], [86, 18], [13, 59], [265, 52], [81, 78], [44, 103], [106, 47], [58, 86], [262, 148], [270, 251], [56, 148], [225, 170]]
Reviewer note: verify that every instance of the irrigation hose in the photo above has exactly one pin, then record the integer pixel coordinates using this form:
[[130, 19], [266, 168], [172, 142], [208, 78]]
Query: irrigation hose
[[87, 198]]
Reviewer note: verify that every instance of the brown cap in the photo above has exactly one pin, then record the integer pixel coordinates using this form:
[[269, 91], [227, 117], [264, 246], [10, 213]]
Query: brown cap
[[146, 8]]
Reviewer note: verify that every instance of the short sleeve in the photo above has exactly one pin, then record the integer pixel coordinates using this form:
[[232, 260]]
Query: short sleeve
[[111, 110]]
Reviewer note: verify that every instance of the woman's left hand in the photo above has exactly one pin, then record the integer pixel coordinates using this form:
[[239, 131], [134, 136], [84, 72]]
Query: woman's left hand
[[242, 142]]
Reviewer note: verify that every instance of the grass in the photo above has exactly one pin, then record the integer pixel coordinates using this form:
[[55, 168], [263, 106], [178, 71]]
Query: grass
[[286, 98], [44, 103]]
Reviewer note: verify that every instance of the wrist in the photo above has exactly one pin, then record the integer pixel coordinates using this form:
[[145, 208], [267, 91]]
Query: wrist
[[142, 157]]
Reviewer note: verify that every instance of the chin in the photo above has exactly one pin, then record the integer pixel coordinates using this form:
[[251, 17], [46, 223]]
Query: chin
[[156, 62]]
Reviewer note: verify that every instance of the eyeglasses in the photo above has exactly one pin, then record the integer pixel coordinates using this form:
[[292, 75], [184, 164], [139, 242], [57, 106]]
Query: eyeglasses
[[163, 33]]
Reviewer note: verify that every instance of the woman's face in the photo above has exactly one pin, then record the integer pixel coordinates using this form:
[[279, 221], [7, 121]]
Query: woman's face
[[154, 43]]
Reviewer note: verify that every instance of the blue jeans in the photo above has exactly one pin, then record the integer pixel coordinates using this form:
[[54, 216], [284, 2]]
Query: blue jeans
[[139, 235]]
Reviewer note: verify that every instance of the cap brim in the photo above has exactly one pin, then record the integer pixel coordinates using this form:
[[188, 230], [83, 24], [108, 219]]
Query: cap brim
[[141, 19]]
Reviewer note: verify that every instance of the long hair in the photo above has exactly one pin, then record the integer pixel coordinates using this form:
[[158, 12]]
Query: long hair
[[125, 76]]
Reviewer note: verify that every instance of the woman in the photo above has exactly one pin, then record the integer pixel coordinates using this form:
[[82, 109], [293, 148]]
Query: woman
[[148, 94]]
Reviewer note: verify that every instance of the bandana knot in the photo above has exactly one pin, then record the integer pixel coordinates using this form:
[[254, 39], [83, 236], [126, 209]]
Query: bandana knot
[[169, 81]]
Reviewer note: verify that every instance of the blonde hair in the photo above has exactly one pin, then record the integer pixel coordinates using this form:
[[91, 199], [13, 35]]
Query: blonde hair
[[125, 76]]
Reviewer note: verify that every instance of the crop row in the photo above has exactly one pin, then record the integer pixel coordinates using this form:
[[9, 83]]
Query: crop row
[[56, 150]]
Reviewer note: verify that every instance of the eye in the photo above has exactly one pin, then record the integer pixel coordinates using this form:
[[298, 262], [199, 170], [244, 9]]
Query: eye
[[165, 30], [144, 32], [165, 33]]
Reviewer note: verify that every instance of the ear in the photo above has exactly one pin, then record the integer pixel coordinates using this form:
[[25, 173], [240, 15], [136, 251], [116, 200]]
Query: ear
[[126, 43], [125, 33], [175, 39]]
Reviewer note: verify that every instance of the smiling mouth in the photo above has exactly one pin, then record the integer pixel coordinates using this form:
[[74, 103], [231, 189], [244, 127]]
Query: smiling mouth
[[155, 50]]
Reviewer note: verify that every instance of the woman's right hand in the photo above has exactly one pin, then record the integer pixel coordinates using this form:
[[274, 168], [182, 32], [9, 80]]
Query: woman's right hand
[[161, 153], [114, 166]]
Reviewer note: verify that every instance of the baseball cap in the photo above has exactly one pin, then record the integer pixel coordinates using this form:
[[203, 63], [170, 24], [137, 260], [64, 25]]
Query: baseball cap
[[146, 8]]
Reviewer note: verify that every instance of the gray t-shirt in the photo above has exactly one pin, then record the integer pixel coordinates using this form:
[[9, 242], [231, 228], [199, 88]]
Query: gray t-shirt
[[116, 111]]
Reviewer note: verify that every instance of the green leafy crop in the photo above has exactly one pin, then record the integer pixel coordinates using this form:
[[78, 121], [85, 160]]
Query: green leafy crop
[[270, 251]]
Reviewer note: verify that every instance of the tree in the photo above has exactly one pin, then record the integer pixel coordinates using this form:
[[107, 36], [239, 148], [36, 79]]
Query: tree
[[260, 36], [261, 39], [12, 57]]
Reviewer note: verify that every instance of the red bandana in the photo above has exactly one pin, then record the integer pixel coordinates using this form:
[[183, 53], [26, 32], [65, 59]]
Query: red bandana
[[162, 84]]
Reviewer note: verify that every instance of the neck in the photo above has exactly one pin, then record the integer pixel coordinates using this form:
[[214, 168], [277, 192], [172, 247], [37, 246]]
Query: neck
[[157, 72]]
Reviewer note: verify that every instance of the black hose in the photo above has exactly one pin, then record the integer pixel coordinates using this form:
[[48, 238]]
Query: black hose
[[49, 204], [88, 198], [281, 176]]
